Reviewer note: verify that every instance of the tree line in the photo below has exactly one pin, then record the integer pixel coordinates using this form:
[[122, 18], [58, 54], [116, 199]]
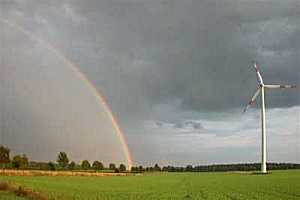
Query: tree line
[[217, 167], [63, 163]]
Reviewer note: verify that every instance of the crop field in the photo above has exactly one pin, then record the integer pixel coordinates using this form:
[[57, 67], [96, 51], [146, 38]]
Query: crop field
[[164, 186], [9, 196]]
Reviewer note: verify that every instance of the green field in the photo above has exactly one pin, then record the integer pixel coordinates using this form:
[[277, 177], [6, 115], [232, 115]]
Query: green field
[[9, 196], [283, 185]]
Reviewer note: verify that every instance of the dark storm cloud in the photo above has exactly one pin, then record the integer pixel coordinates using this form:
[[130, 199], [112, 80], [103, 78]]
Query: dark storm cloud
[[201, 51], [142, 53], [196, 51]]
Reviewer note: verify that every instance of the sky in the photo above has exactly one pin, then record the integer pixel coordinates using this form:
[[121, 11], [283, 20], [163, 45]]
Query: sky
[[177, 75]]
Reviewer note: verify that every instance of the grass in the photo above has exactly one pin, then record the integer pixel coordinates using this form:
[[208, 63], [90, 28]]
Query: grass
[[9, 196], [167, 186], [13, 191], [12, 172]]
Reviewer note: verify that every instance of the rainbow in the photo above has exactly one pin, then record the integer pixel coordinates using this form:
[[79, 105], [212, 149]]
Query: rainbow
[[76, 69]]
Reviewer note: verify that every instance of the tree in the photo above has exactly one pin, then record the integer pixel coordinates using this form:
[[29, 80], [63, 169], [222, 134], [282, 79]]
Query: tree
[[72, 165], [97, 165], [85, 165], [4, 156], [138, 169], [51, 166], [62, 159], [112, 166], [141, 169], [117, 170], [189, 168], [20, 161], [157, 168], [134, 169], [122, 168]]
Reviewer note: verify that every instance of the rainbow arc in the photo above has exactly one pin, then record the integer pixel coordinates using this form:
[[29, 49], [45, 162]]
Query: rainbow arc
[[76, 69]]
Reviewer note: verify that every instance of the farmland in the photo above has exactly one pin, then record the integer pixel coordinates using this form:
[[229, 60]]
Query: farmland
[[9, 196], [165, 186]]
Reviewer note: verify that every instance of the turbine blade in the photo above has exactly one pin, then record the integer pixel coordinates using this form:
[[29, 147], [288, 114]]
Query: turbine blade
[[258, 74], [280, 86], [252, 99]]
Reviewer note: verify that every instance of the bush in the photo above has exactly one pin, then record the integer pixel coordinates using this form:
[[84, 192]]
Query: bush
[[51, 166], [20, 162]]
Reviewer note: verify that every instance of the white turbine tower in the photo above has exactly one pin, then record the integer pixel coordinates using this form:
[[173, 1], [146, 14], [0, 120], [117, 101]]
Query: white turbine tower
[[261, 89]]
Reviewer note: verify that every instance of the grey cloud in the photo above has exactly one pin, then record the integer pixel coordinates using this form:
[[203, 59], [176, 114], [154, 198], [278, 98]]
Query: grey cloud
[[235, 138], [196, 51]]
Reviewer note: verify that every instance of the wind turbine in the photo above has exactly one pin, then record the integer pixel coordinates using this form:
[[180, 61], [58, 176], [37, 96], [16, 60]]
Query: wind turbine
[[261, 89]]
